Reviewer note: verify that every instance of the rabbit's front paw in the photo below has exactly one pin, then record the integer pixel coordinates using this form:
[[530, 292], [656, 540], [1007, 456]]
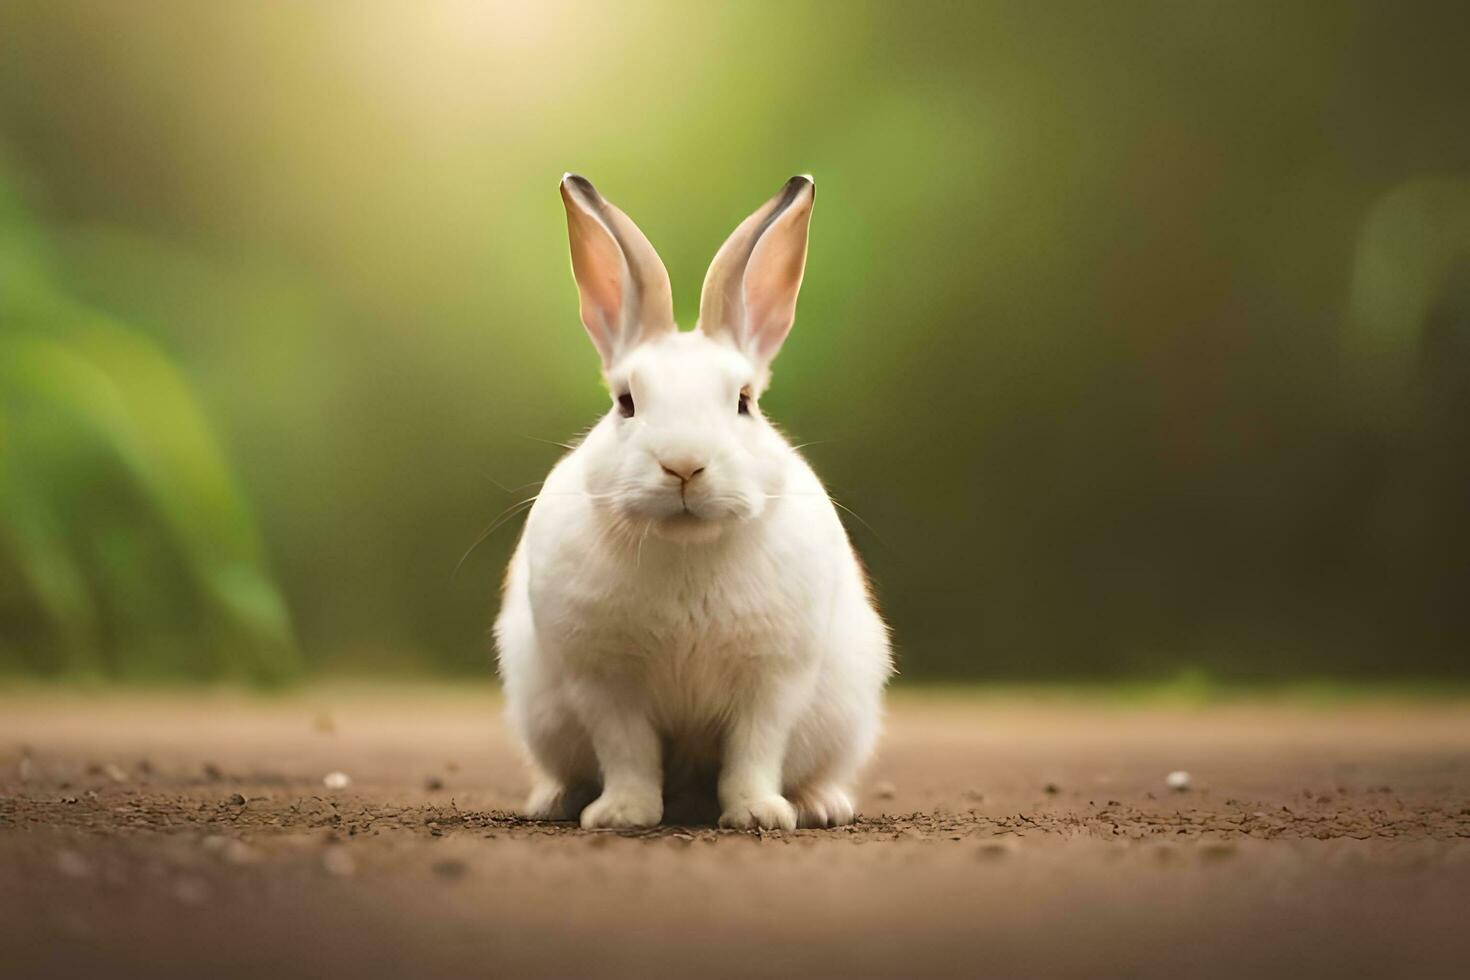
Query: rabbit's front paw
[[545, 801], [823, 806], [552, 800], [766, 812], [623, 810]]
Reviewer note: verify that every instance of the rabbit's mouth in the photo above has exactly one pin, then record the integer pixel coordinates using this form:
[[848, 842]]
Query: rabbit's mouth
[[685, 514], [687, 527]]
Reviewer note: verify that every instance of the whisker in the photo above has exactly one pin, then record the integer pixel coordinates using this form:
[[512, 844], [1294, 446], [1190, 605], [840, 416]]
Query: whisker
[[527, 486], [859, 518], [500, 520], [638, 559], [576, 493], [835, 503], [549, 442], [498, 484], [511, 490], [617, 526], [609, 531]]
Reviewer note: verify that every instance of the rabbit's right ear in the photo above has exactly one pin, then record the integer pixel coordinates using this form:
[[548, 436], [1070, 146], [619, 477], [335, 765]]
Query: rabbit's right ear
[[749, 295], [624, 287]]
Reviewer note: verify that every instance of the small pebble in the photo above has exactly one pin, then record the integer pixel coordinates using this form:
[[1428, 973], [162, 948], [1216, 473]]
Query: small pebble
[[339, 863], [885, 790], [191, 891], [1219, 851], [236, 799], [450, 868], [1051, 789], [239, 852], [994, 850], [336, 780], [1178, 780], [433, 784], [72, 864]]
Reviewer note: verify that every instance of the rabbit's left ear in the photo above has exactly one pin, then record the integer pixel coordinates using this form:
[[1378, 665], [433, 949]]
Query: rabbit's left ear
[[623, 284], [749, 295]]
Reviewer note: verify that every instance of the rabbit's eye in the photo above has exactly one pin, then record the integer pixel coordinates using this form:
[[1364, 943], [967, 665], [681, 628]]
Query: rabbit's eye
[[625, 404], [744, 407]]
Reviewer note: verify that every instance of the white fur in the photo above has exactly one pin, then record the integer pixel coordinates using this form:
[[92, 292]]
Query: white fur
[[653, 628]]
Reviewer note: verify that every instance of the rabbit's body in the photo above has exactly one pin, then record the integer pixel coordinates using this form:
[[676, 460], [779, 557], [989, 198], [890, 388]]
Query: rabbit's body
[[652, 632]]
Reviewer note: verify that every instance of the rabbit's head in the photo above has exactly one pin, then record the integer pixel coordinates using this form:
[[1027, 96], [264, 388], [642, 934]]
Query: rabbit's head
[[685, 451]]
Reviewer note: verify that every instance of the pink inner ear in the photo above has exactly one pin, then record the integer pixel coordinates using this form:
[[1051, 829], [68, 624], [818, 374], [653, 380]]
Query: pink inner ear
[[749, 295], [597, 264], [772, 283]]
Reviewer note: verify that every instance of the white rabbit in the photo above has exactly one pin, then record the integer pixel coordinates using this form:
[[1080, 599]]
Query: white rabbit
[[684, 599]]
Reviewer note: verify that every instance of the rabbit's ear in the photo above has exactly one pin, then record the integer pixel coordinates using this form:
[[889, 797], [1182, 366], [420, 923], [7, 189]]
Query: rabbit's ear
[[624, 287], [749, 294]]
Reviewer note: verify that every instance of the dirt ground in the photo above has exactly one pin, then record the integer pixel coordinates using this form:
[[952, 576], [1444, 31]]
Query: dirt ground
[[192, 834]]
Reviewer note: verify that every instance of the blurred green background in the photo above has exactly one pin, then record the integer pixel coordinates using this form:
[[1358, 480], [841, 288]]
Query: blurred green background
[[1138, 334]]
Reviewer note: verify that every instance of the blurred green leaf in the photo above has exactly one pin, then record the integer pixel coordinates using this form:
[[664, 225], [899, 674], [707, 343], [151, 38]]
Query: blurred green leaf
[[103, 443]]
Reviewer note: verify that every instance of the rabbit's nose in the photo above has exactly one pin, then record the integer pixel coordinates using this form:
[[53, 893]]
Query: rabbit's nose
[[684, 469]]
